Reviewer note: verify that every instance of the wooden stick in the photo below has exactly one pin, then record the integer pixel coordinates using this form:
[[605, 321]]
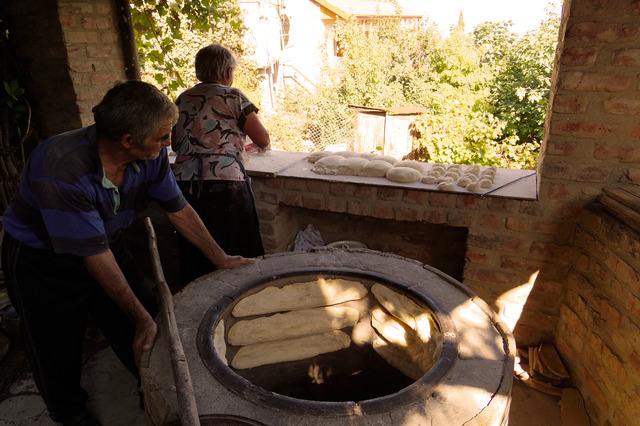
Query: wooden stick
[[184, 387]]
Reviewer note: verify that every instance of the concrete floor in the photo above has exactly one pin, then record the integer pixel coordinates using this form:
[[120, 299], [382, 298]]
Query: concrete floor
[[114, 401]]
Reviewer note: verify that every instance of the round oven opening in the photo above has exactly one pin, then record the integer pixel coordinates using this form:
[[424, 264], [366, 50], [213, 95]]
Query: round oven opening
[[338, 336]]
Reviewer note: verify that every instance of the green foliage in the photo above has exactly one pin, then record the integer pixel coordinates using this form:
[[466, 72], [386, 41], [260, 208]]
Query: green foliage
[[170, 33]]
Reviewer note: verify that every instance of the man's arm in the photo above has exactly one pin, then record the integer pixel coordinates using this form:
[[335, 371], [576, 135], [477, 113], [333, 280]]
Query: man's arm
[[189, 224], [104, 268]]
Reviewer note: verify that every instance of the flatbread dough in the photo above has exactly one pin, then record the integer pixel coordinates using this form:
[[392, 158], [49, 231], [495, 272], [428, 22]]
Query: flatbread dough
[[311, 294], [376, 168], [292, 324], [290, 350], [218, 342], [403, 175], [406, 310], [398, 358]]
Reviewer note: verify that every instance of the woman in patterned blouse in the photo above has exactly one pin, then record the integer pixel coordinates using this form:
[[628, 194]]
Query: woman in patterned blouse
[[209, 140]]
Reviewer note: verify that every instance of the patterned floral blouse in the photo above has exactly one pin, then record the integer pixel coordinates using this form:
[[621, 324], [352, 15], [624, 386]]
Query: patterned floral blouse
[[208, 138]]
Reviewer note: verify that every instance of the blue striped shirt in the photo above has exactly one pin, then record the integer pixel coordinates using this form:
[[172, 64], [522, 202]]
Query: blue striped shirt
[[64, 205]]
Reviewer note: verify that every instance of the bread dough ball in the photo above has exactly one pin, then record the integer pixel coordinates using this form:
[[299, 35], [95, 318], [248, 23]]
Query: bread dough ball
[[463, 181], [452, 175], [473, 187], [351, 166], [485, 183], [315, 156], [442, 179], [376, 168], [327, 165], [403, 175], [410, 163], [430, 179], [446, 186]]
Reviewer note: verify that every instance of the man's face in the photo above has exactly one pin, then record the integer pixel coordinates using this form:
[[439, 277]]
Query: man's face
[[158, 140]]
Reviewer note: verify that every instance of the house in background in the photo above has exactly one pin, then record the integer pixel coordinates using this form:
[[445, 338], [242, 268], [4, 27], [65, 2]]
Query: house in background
[[290, 37]]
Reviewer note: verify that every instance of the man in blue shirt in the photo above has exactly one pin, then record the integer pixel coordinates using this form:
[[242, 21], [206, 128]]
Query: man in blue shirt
[[64, 255]]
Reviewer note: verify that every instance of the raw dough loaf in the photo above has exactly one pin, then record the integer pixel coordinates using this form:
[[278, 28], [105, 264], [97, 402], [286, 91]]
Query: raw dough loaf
[[327, 165], [311, 294], [291, 324], [389, 159], [315, 156], [403, 175], [218, 342], [376, 168], [352, 166], [410, 163], [290, 350], [397, 357], [406, 310], [394, 332]]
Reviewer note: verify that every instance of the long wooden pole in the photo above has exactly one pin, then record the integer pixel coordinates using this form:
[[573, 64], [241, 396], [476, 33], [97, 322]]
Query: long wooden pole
[[184, 387]]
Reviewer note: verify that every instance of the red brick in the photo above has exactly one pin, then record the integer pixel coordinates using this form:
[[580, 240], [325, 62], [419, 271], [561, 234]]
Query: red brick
[[576, 56], [491, 221], [634, 361], [416, 197], [365, 191], [476, 256], [634, 175], [622, 106], [462, 219], [495, 242], [293, 199], [382, 211], [338, 205], [594, 81], [611, 150], [318, 186], [569, 104], [502, 205], [573, 172], [312, 202], [469, 202], [558, 191], [516, 224], [81, 37], [521, 264], [437, 199], [547, 228], [600, 32], [298, 184], [492, 277], [634, 133], [271, 183], [550, 251], [580, 130], [341, 189], [91, 23], [627, 57], [588, 7], [407, 214], [436, 217], [389, 194], [104, 77], [357, 208]]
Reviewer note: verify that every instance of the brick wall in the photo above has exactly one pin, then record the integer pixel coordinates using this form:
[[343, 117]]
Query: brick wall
[[599, 332], [70, 53]]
